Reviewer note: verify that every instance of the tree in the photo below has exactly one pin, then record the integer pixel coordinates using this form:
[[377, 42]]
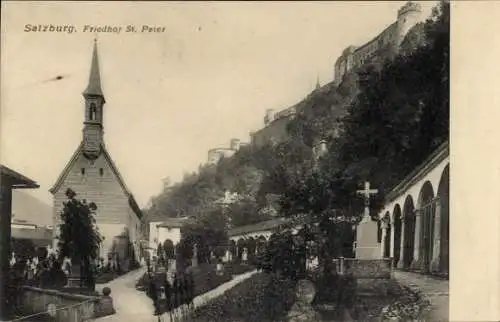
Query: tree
[[79, 238], [206, 232], [169, 249], [160, 253], [397, 113], [24, 249]]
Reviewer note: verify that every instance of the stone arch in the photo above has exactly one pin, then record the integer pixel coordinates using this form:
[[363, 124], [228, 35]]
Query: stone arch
[[387, 238], [409, 231], [427, 211], [397, 226], [444, 198]]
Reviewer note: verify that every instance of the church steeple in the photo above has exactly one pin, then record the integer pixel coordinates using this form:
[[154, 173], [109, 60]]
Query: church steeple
[[94, 86], [94, 108]]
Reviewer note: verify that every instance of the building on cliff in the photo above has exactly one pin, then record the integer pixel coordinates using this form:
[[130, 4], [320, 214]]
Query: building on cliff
[[93, 175], [216, 154], [389, 40], [275, 128]]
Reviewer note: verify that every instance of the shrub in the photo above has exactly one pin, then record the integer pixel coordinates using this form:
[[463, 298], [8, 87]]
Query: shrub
[[238, 268], [262, 297]]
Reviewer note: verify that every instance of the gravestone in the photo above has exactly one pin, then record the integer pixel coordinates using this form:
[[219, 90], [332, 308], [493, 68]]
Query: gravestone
[[194, 262], [367, 245], [244, 256]]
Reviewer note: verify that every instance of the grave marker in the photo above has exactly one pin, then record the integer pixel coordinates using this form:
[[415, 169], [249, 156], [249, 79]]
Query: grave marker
[[367, 245]]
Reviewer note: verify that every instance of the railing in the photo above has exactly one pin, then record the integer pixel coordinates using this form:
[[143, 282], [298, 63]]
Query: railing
[[176, 299], [83, 311]]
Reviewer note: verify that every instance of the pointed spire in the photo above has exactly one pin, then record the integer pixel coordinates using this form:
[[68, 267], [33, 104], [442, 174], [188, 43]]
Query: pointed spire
[[94, 86], [317, 83]]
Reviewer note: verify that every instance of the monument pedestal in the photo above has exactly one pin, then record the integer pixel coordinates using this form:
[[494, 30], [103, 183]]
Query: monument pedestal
[[367, 245], [74, 276]]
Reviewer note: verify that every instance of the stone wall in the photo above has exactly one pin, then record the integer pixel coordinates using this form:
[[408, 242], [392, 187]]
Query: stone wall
[[369, 268], [68, 307], [277, 131]]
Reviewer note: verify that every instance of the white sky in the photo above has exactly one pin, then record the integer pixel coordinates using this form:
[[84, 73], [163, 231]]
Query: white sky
[[170, 96]]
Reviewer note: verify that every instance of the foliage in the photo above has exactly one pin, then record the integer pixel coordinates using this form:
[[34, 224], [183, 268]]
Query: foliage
[[200, 193], [399, 115], [169, 249], [79, 238], [23, 249], [381, 122], [262, 297], [206, 232]]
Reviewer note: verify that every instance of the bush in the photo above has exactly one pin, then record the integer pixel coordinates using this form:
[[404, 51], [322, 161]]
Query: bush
[[262, 297], [205, 278], [237, 268]]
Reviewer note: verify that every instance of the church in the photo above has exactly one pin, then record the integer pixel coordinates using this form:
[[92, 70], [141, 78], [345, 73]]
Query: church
[[92, 174]]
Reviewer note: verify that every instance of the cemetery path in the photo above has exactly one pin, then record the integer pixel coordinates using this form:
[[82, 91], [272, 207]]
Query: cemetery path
[[434, 289], [132, 305]]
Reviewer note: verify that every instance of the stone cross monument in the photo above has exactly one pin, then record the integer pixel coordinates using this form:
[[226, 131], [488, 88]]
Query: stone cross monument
[[367, 245]]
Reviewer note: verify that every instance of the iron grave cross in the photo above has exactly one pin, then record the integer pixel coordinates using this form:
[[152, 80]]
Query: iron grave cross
[[366, 192]]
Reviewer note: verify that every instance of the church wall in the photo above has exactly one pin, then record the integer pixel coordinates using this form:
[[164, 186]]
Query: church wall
[[135, 232], [113, 210], [109, 231]]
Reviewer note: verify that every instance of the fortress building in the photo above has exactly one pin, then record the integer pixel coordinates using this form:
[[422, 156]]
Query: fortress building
[[352, 57], [216, 154], [390, 39], [275, 123], [93, 175]]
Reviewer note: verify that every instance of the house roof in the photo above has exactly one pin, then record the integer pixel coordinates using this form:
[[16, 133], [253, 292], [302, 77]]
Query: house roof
[[79, 151], [173, 222], [17, 180], [41, 236], [261, 226], [441, 153]]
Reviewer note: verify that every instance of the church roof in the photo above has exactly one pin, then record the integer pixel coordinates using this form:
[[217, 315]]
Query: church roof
[[79, 151], [94, 86]]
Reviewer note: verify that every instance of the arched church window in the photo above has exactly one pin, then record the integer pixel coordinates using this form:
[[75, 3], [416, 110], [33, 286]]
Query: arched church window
[[92, 112], [82, 171], [101, 172]]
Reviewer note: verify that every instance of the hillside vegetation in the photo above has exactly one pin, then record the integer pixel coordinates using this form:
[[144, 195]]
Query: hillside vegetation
[[381, 122]]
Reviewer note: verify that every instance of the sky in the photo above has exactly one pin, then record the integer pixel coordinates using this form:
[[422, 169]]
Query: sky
[[172, 95]]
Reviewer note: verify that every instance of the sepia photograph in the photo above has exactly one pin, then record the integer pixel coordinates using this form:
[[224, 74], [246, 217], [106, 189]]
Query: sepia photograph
[[225, 161]]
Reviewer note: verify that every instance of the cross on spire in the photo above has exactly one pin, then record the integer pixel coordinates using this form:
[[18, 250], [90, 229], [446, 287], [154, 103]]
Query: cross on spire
[[366, 192]]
